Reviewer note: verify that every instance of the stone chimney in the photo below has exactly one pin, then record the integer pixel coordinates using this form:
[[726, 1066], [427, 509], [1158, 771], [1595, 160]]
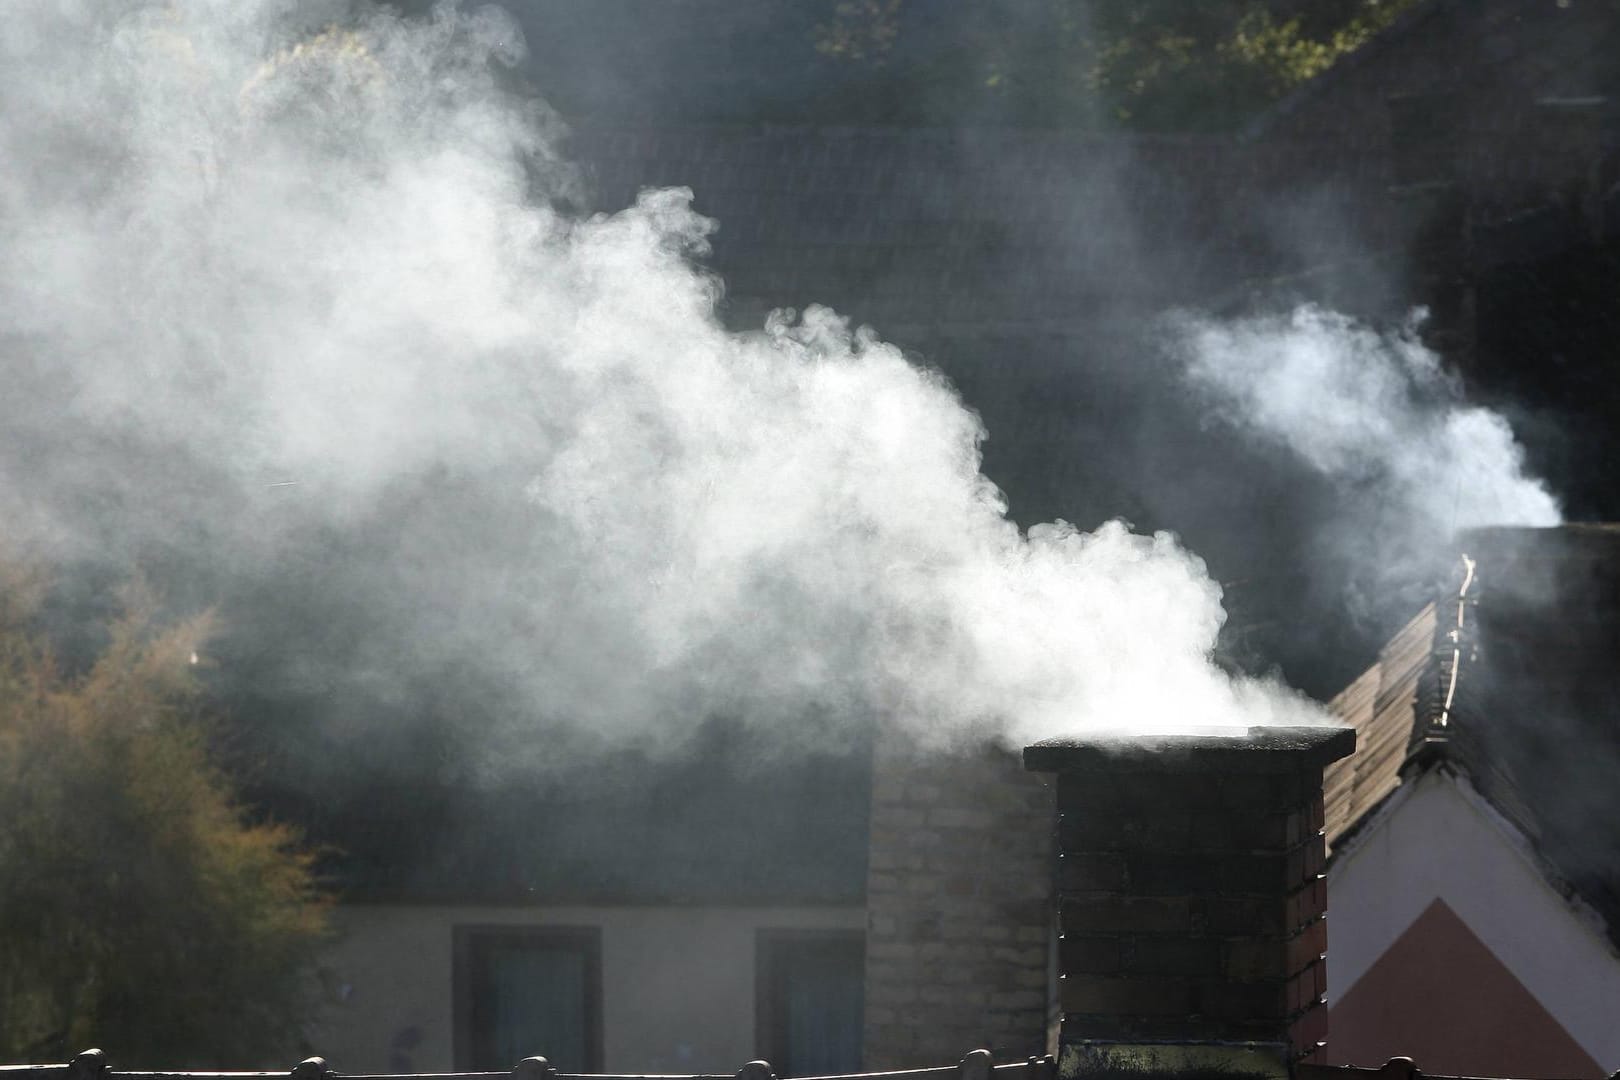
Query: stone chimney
[[959, 907], [1191, 901]]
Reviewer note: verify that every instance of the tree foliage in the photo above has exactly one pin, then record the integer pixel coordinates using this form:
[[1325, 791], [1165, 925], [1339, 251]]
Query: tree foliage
[[1138, 64], [140, 909], [1159, 64]]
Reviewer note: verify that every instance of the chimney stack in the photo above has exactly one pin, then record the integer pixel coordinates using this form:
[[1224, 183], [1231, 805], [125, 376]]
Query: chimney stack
[[1191, 901]]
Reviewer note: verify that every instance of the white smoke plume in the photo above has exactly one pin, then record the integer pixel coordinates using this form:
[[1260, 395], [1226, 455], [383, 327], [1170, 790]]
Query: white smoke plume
[[1369, 410], [272, 271]]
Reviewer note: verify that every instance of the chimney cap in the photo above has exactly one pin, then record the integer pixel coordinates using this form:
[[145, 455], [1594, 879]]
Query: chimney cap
[[1255, 750]]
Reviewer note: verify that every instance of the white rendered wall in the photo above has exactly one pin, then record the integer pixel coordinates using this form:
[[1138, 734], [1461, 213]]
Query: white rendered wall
[[1438, 838], [677, 982]]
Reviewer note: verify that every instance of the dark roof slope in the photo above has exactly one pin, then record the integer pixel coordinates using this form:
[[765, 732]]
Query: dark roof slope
[[944, 229], [1502, 56], [1512, 679], [1515, 104], [730, 819]]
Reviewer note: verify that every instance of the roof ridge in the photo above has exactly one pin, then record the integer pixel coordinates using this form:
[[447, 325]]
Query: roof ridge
[[1435, 708]]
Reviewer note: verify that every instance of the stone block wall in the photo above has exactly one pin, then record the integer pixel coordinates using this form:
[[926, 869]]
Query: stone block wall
[[959, 908]]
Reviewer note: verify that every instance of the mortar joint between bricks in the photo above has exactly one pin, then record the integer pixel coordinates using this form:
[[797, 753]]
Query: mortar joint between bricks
[[1305, 927], [1309, 884], [1294, 1015], [1307, 840]]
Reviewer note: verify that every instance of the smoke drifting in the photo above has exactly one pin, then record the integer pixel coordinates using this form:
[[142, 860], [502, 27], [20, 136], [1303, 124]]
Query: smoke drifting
[[1368, 410], [287, 306]]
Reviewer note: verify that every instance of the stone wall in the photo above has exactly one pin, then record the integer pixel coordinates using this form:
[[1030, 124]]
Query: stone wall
[[959, 908]]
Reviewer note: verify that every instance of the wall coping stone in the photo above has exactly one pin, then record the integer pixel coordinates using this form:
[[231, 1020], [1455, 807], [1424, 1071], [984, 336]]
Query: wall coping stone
[[1255, 750]]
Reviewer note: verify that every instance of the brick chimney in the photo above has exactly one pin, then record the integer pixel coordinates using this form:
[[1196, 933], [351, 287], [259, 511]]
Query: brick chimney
[[1191, 901]]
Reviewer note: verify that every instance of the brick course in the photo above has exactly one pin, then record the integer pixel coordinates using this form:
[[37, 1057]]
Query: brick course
[[1191, 903]]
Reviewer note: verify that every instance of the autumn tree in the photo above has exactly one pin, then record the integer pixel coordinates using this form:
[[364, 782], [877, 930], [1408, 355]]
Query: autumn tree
[[141, 909]]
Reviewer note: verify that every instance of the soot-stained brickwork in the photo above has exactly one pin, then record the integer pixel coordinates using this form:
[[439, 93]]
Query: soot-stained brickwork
[[959, 908], [1190, 890]]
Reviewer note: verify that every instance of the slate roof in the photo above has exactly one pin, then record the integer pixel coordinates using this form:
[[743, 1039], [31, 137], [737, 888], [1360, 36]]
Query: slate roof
[[1511, 679], [727, 821]]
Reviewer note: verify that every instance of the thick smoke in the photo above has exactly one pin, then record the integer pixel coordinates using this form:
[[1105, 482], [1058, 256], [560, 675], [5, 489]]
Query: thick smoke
[[1368, 410], [284, 298], [1407, 462]]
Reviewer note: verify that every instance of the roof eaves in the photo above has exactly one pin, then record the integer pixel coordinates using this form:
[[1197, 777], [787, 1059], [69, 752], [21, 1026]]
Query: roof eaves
[[1368, 825], [473, 896], [1526, 849], [1431, 755], [1360, 830]]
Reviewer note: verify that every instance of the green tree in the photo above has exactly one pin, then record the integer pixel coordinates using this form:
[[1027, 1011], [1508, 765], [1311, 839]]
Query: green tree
[[1135, 64], [140, 909], [1167, 64]]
